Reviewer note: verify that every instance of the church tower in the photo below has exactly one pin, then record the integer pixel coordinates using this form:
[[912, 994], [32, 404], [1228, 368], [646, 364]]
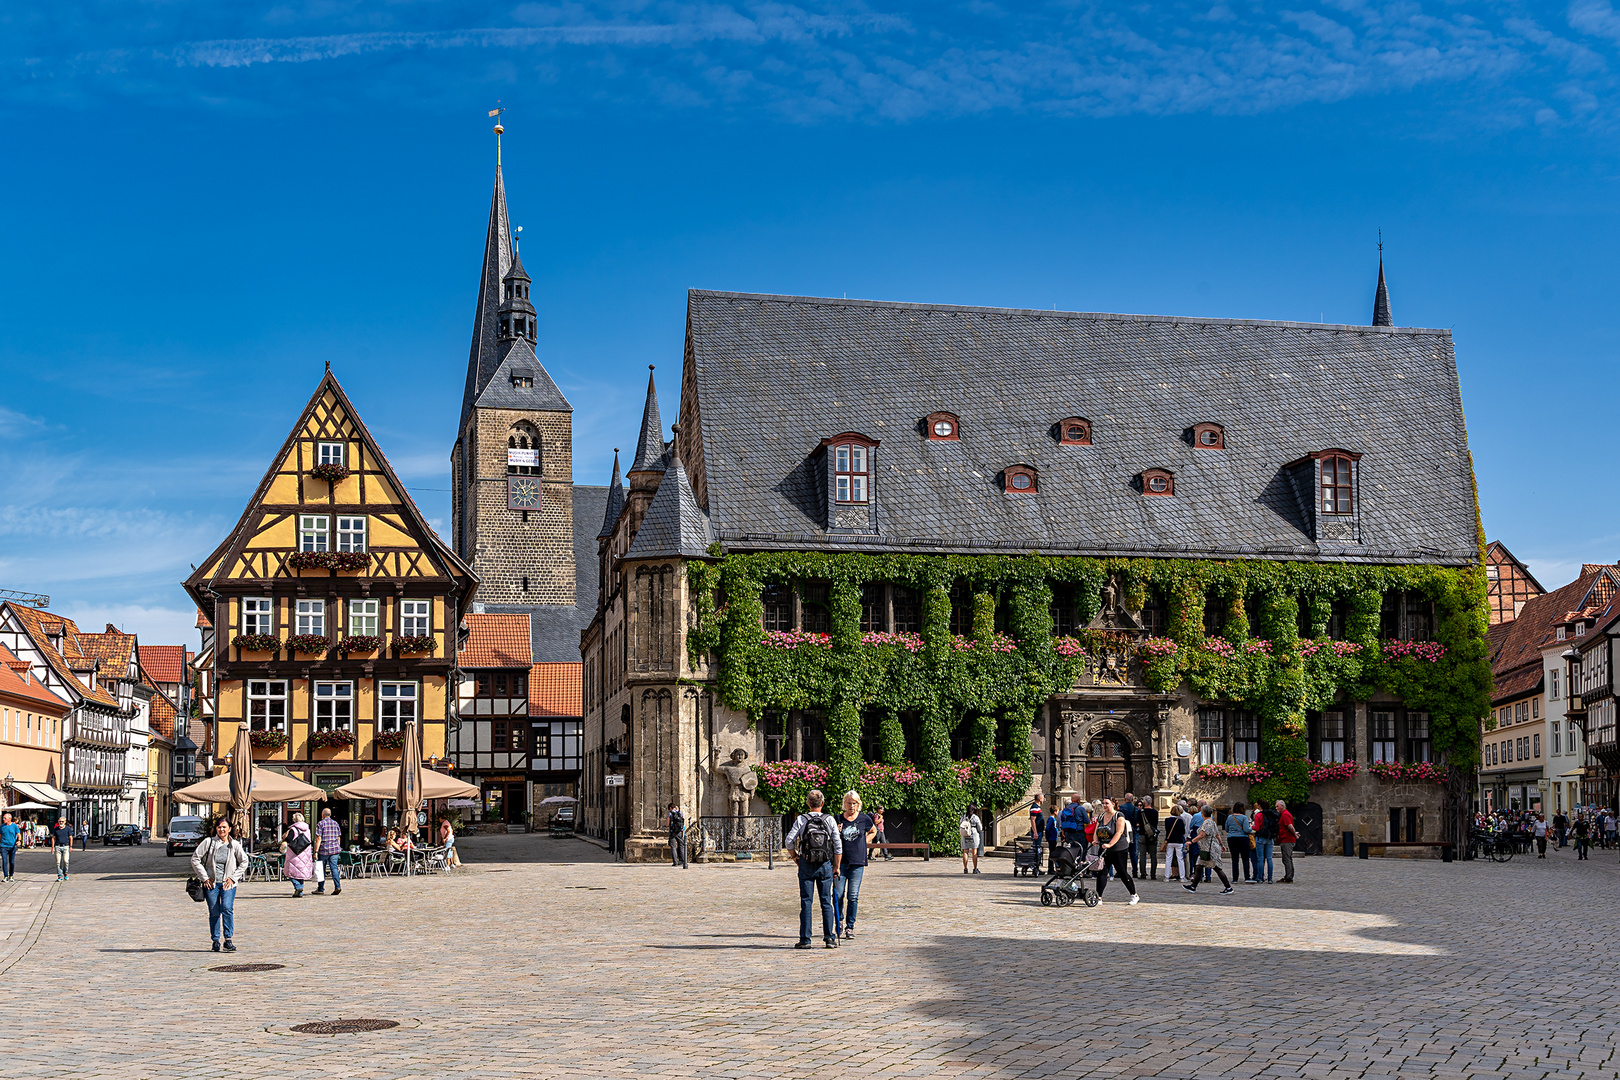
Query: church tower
[[512, 493]]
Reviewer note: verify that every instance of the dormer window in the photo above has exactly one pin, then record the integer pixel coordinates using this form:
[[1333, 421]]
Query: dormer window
[[522, 380], [1158, 482], [1337, 482], [1019, 480], [851, 475], [329, 453], [1209, 437], [1580, 629], [1075, 431], [942, 426]]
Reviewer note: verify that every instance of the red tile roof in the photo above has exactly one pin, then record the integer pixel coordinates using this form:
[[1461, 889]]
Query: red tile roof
[[1516, 646], [16, 683], [163, 714], [165, 663], [202, 621], [70, 656], [496, 641], [555, 690]]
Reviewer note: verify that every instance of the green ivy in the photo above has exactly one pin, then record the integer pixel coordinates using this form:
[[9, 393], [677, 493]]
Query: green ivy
[[1000, 693]]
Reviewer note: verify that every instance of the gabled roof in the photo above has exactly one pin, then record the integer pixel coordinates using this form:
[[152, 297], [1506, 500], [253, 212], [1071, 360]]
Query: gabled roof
[[556, 690], [162, 712], [674, 525], [202, 621], [495, 641], [68, 660], [775, 375], [114, 648], [164, 663], [499, 393], [1520, 641], [1497, 552], [17, 683]]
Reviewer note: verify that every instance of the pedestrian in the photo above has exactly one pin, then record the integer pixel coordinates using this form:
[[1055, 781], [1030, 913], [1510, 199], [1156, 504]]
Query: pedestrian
[[1053, 836], [1539, 830], [1128, 810], [1582, 829], [882, 840], [1037, 828], [62, 846], [855, 831], [1237, 842], [9, 834], [970, 830], [1609, 826], [1265, 845], [1287, 837], [328, 846], [1209, 854], [1175, 845], [1072, 821], [817, 851], [1195, 824], [1561, 825], [677, 836], [1148, 841], [298, 848], [1114, 837], [220, 862], [447, 840]]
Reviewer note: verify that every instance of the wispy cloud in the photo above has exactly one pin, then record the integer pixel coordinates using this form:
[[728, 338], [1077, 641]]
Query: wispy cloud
[[853, 60]]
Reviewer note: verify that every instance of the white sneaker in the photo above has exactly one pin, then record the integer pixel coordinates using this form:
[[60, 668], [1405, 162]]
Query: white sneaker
[[1135, 898]]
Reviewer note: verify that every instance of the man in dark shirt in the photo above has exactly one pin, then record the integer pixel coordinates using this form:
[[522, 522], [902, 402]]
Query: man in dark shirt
[[62, 845], [677, 835], [1128, 810]]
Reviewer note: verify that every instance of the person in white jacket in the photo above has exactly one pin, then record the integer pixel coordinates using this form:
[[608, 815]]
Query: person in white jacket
[[971, 832], [220, 861]]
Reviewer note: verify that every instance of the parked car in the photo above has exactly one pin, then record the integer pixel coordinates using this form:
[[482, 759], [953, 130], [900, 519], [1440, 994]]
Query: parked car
[[128, 835], [185, 833], [563, 819]]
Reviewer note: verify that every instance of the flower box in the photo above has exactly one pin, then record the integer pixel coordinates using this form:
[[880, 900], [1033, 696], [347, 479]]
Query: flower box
[[359, 644], [308, 644], [331, 740], [327, 560], [1251, 771], [330, 472], [390, 740], [1399, 771], [256, 642], [415, 644], [268, 740], [1427, 651], [1319, 772]]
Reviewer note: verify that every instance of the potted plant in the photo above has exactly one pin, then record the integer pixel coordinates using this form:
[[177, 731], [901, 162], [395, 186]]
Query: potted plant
[[331, 740], [360, 643], [272, 741], [256, 642], [331, 472], [308, 644], [390, 740], [327, 560], [410, 644]]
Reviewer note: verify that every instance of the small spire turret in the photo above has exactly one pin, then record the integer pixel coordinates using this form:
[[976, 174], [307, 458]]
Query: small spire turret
[[1381, 313], [517, 315]]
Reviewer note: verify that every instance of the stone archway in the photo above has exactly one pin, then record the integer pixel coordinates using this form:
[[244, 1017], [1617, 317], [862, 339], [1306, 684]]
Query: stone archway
[[1124, 754]]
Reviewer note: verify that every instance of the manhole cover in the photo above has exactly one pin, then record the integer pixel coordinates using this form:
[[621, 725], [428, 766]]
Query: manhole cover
[[248, 967], [343, 1027]]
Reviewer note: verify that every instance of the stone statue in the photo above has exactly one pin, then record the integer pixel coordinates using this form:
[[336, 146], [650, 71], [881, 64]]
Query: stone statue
[[742, 781]]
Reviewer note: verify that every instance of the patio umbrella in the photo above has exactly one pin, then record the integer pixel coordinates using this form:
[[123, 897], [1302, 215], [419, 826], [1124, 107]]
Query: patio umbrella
[[241, 774], [385, 785], [26, 806], [263, 786], [557, 799]]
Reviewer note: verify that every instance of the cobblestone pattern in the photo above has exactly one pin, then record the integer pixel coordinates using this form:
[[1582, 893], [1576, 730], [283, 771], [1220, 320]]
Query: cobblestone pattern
[[573, 969]]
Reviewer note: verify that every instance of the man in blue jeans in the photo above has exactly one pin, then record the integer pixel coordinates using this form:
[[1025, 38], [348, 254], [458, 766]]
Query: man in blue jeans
[[9, 834], [816, 847], [328, 846]]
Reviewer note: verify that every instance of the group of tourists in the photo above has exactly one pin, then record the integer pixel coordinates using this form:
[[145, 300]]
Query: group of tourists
[[1194, 838], [1589, 827], [831, 853]]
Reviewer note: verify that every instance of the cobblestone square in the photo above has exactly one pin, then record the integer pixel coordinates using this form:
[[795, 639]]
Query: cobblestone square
[[541, 959]]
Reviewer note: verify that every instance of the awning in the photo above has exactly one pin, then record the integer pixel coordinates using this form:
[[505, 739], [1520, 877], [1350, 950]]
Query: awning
[[39, 792], [1579, 770]]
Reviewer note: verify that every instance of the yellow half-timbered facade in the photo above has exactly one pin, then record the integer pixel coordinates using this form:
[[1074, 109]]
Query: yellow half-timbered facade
[[336, 608]]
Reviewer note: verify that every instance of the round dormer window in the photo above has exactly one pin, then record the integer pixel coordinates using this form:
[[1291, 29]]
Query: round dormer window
[[1020, 481], [943, 429], [1158, 483], [1210, 437]]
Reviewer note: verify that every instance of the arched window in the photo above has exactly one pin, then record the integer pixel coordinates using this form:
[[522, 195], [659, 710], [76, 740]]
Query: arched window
[[1019, 480], [1337, 482], [942, 426], [1209, 436], [523, 450], [1075, 431]]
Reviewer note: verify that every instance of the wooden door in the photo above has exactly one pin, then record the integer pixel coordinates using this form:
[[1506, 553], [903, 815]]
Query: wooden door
[[1108, 768]]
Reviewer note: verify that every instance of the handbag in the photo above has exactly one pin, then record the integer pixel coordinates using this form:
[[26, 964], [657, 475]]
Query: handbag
[[194, 888], [297, 843]]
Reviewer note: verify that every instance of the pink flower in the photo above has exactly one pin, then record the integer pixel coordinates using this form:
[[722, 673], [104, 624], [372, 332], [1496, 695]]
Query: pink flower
[[1160, 647]]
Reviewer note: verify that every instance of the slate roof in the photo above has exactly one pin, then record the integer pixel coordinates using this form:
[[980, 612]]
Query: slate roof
[[483, 356], [775, 375], [674, 523], [164, 663], [556, 689], [499, 393], [1381, 314], [495, 641], [554, 628], [650, 446], [615, 501]]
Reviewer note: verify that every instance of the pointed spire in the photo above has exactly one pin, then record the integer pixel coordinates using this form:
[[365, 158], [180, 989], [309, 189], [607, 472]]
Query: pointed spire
[[1381, 315], [484, 356], [615, 502], [650, 447]]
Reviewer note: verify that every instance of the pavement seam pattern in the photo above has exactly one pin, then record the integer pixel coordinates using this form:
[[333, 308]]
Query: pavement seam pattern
[[36, 928]]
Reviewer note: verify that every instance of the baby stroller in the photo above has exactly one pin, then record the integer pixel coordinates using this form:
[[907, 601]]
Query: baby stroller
[[1075, 865]]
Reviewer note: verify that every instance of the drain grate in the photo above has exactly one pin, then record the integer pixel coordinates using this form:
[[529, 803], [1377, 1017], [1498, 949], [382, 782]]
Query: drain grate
[[343, 1027], [234, 968]]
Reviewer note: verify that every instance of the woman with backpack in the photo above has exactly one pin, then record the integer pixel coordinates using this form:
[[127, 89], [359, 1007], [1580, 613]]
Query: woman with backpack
[[299, 849], [1265, 843], [1114, 837], [971, 831]]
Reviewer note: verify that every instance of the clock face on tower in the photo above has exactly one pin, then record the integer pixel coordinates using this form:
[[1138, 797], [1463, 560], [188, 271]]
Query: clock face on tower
[[522, 493]]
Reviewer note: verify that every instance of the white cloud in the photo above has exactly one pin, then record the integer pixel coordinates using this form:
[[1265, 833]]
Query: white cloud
[[154, 625]]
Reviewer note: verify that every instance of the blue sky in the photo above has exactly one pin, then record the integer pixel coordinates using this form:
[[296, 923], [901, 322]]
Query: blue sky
[[204, 203]]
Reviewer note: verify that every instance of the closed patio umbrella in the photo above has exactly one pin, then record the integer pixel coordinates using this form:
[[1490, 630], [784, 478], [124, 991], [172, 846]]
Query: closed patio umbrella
[[408, 796], [241, 797]]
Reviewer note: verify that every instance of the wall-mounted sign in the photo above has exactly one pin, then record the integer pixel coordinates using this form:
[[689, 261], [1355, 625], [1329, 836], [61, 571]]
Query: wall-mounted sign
[[614, 780], [1184, 748], [522, 457]]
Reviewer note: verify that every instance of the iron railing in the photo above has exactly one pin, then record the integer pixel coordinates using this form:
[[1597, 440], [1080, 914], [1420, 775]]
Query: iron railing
[[736, 836]]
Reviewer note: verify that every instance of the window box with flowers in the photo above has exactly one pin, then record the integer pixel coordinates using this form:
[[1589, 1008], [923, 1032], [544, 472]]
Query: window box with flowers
[[256, 642], [1318, 772], [390, 740], [1252, 771], [360, 643], [1403, 771], [331, 740], [268, 740], [411, 644], [327, 560], [308, 644], [331, 472]]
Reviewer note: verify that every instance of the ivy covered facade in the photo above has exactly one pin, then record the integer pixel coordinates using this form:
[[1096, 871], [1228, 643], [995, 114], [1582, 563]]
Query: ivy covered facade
[[954, 555]]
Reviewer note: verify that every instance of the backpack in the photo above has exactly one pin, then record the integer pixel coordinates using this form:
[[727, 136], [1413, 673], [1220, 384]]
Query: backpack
[[1268, 825], [818, 841], [677, 823]]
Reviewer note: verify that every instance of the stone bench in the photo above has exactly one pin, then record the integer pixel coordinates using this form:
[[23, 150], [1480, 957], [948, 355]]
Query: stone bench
[[923, 848], [1443, 849]]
